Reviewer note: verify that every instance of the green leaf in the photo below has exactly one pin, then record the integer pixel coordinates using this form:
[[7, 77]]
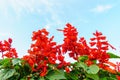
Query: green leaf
[[108, 78], [16, 76], [6, 73], [81, 65], [41, 78], [16, 61], [93, 69], [92, 76], [56, 75], [83, 58], [105, 78], [113, 55], [73, 75], [5, 62]]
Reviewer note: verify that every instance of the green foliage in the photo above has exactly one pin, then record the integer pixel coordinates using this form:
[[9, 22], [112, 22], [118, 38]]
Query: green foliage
[[55, 75], [93, 69], [13, 69], [17, 69], [81, 65], [92, 76], [6, 73], [73, 75], [87, 72], [5, 63], [113, 55], [105, 75], [82, 58]]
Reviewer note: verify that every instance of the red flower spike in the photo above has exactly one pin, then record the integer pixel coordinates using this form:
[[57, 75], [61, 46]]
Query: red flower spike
[[44, 52], [100, 47], [70, 40], [7, 50]]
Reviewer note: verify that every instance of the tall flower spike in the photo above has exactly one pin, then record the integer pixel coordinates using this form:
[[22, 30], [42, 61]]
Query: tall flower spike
[[70, 39], [99, 46], [7, 50], [43, 52], [100, 41]]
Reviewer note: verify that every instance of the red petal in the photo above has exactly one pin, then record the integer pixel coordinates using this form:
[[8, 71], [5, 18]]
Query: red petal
[[104, 43], [67, 69], [112, 47], [61, 58], [92, 43], [104, 48], [92, 39], [68, 25], [97, 33], [44, 31], [10, 40], [102, 37]]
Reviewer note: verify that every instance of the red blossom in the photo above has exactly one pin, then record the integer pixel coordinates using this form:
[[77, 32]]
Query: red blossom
[[100, 46], [88, 62], [11, 53], [7, 50], [71, 43], [67, 69], [44, 72], [43, 52], [61, 58]]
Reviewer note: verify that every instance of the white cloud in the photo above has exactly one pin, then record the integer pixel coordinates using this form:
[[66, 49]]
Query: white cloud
[[19, 6], [101, 8], [41, 7]]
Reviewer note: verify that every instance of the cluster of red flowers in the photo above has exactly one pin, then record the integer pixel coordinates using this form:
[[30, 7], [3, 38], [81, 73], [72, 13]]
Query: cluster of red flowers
[[71, 44], [44, 52], [96, 51], [99, 50], [7, 50]]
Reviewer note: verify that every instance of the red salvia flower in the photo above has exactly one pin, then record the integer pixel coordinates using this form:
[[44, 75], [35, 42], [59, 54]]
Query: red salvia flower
[[43, 52], [7, 50], [70, 41], [100, 47]]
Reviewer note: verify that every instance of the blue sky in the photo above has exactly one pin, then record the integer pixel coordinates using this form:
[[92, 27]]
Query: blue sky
[[19, 18]]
